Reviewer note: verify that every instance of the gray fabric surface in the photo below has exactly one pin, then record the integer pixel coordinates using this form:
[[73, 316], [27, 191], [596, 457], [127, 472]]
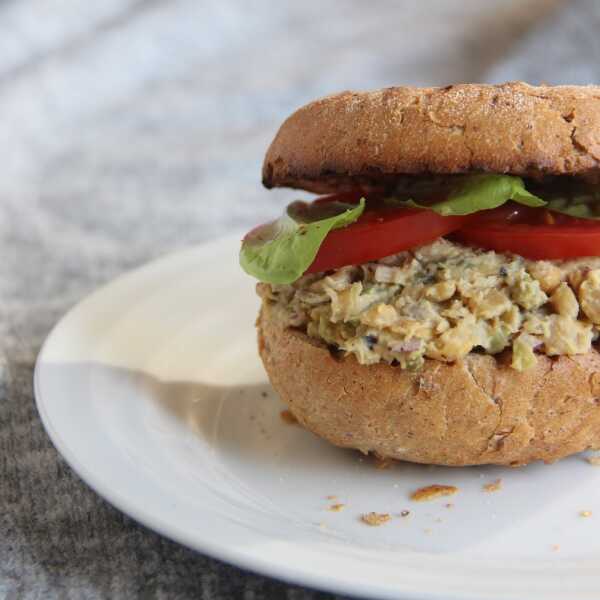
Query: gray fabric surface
[[561, 49], [130, 128]]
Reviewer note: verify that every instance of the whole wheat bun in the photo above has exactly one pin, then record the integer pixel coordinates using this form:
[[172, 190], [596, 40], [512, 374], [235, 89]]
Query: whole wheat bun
[[473, 412], [366, 138]]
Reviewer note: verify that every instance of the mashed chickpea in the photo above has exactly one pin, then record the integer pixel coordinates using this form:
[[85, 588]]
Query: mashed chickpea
[[444, 300]]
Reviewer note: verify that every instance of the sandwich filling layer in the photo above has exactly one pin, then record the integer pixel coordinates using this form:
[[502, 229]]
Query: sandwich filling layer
[[444, 300]]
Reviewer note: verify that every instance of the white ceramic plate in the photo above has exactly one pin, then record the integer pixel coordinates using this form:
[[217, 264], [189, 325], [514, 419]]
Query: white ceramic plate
[[153, 392]]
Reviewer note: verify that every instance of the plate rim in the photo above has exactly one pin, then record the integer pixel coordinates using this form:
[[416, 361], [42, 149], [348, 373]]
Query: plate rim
[[118, 501], [224, 552]]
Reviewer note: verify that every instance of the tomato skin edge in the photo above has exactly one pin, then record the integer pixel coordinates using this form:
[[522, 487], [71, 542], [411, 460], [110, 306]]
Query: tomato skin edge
[[534, 242], [376, 237]]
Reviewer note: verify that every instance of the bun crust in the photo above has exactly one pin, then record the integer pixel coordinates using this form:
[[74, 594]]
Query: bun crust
[[473, 412], [365, 138]]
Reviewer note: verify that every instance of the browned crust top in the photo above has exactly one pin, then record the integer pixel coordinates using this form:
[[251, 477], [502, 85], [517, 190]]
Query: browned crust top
[[363, 138]]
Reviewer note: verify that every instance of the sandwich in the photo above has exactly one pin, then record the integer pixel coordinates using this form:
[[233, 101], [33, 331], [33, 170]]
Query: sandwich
[[439, 301]]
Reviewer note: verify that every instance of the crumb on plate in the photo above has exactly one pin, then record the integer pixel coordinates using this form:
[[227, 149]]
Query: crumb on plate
[[337, 507], [494, 486], [431, 492], [594, 460], [375, 519], [585, 513]]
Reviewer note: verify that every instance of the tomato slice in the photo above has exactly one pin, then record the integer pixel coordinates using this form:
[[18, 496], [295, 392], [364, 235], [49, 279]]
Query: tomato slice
[[380, 231], [532, 233]]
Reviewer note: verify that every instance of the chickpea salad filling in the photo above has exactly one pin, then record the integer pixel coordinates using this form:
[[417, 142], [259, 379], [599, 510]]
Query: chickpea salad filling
[[438, 267], [443, 300]]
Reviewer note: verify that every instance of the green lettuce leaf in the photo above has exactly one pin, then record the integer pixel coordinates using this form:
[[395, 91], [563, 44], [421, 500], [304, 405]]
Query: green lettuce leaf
[[281, 251], [482, 192], [582, 207]]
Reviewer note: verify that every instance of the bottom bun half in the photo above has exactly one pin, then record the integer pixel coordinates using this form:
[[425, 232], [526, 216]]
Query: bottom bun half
[[473, 412]]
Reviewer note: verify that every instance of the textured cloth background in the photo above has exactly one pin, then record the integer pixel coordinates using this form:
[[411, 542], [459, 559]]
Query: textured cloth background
[[129, 128]]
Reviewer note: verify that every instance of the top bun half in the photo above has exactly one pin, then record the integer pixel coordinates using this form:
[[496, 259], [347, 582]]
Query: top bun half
[[365, 139]]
